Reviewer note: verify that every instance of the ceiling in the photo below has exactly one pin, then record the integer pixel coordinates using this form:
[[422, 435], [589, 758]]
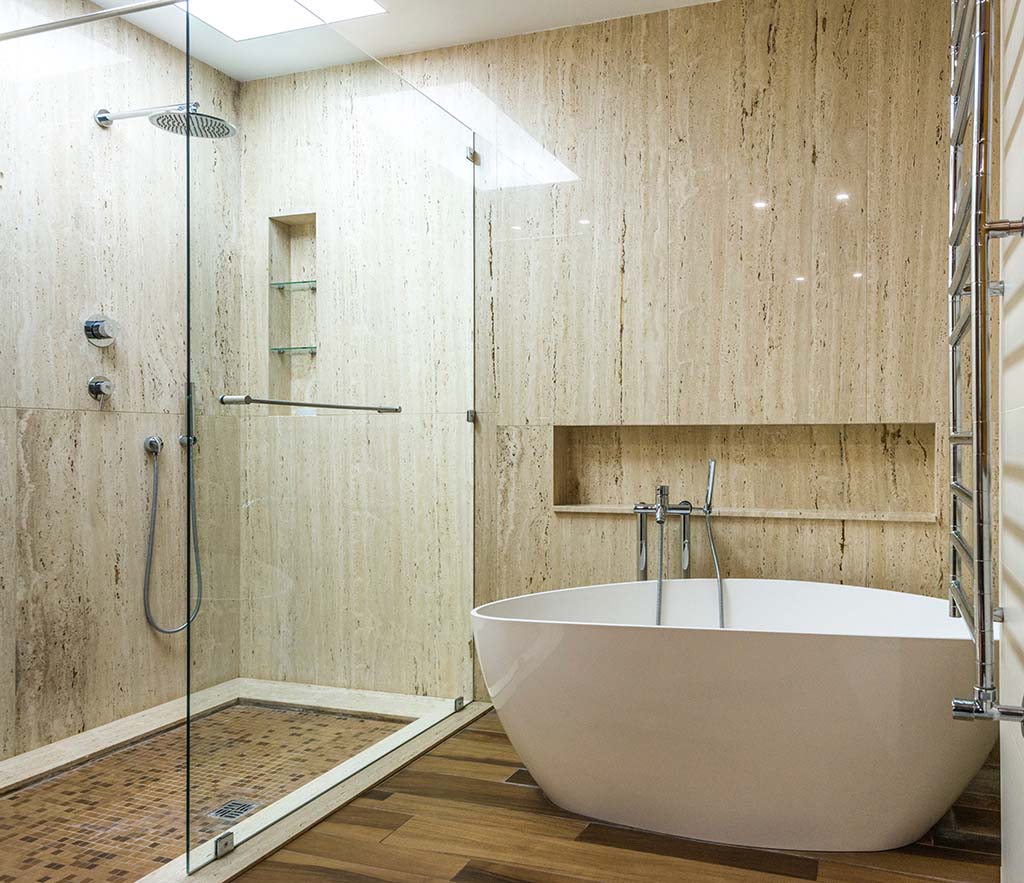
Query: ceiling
[[409, 26]]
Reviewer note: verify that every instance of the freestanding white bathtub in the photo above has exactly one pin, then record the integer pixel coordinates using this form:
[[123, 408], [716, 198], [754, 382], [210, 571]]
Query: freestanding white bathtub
[[819, 719]]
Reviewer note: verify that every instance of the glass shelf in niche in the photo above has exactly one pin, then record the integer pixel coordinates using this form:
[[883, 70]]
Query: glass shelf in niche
[[298, 285], [292, 350]]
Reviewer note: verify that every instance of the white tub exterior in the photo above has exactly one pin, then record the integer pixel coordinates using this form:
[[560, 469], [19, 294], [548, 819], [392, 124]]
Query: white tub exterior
[[819, 719]]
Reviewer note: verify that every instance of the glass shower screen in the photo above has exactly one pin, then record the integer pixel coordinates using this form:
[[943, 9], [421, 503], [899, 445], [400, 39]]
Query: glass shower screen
[[330, 370]]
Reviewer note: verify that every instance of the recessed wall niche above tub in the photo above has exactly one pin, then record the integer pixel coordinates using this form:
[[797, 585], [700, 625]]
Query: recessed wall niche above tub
[[848, 503], [291, 306]]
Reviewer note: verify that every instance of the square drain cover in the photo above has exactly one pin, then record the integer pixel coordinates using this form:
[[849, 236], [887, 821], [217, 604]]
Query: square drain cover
[[233, 809]]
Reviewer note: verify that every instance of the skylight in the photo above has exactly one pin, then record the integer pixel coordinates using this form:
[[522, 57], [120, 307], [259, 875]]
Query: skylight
[[246, 19], [342, 10]]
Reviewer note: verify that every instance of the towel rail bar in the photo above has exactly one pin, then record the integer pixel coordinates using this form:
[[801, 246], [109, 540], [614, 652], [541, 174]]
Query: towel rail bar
[[970, 440], [285, 403]]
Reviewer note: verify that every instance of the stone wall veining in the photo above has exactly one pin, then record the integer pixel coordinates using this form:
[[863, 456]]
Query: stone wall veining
[[678, 303], [94, 222], [356, 536], [682, 303]]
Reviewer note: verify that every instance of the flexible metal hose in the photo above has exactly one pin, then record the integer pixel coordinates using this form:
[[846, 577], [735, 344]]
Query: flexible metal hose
[[661, 570], [155, 451], [718, 572]]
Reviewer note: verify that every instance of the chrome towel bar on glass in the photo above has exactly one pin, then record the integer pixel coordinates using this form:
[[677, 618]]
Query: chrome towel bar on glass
[[249, 400]]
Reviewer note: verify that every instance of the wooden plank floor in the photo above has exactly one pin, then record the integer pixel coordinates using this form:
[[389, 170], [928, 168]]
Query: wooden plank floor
[[468, 812]]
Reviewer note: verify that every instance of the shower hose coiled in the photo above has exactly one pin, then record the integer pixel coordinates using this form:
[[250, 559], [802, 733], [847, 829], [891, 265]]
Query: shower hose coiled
[[153, 446]]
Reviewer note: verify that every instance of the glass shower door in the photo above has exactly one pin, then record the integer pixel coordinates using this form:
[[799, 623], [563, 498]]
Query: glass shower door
[[331, 369]]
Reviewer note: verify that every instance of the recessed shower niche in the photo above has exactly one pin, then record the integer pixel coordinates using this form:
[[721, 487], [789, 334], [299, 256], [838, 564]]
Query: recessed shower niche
[[291, 305]]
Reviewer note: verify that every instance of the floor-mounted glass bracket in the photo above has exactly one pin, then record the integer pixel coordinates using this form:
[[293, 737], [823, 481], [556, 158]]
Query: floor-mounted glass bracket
[[223, 845]]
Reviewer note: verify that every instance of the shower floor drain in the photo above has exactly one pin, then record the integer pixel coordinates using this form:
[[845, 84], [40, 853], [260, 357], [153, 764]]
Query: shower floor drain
[[233, 809]]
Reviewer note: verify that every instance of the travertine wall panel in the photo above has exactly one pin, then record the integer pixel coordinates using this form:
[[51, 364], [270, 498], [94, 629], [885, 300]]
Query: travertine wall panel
[[93, 221], [8, 575], [810, 309], [356, 530]]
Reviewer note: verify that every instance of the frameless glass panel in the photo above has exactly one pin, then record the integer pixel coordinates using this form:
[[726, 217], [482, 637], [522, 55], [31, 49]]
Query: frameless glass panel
[[332, 264], [92, 279]]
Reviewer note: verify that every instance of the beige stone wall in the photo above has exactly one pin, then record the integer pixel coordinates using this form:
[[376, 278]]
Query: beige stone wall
[[356, 534], [341, 547], [93, 221], [1011, 516], [682, 304]]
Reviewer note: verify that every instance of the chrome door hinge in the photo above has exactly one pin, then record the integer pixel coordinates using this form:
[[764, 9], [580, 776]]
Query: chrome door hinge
[[471, 416], [472, 156]]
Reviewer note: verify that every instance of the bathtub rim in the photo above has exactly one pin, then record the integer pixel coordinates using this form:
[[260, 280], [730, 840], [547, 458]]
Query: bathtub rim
[[478, 613]]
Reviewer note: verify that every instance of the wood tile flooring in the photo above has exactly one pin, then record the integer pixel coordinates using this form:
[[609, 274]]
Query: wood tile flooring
[[122, 815], [468, 812]]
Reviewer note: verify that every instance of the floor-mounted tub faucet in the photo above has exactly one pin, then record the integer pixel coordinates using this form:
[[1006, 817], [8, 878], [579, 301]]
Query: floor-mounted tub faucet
[[661, 510]]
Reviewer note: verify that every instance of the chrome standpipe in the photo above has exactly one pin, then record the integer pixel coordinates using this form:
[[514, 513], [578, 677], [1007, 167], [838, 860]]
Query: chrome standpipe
[[641, 544], [661, 510], [660, 513]]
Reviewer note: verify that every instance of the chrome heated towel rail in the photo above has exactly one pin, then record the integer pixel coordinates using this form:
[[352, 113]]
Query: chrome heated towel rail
[[970, 437]]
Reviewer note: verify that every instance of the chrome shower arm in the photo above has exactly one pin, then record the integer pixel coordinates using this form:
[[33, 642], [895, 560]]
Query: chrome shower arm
[[105, 118]]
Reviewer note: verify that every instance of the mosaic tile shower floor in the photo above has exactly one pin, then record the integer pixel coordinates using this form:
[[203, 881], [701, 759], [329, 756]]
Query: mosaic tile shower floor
[[119, 817]]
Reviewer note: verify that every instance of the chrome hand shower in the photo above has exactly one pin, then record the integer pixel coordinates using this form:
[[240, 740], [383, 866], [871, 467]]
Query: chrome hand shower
[[711, 542]]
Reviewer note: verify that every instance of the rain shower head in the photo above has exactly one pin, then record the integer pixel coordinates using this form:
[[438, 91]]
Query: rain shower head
[[177, 118], [200, 125]]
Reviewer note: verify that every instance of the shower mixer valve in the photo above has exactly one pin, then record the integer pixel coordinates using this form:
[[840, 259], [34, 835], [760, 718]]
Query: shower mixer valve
[[101, 331], [100, 388]]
